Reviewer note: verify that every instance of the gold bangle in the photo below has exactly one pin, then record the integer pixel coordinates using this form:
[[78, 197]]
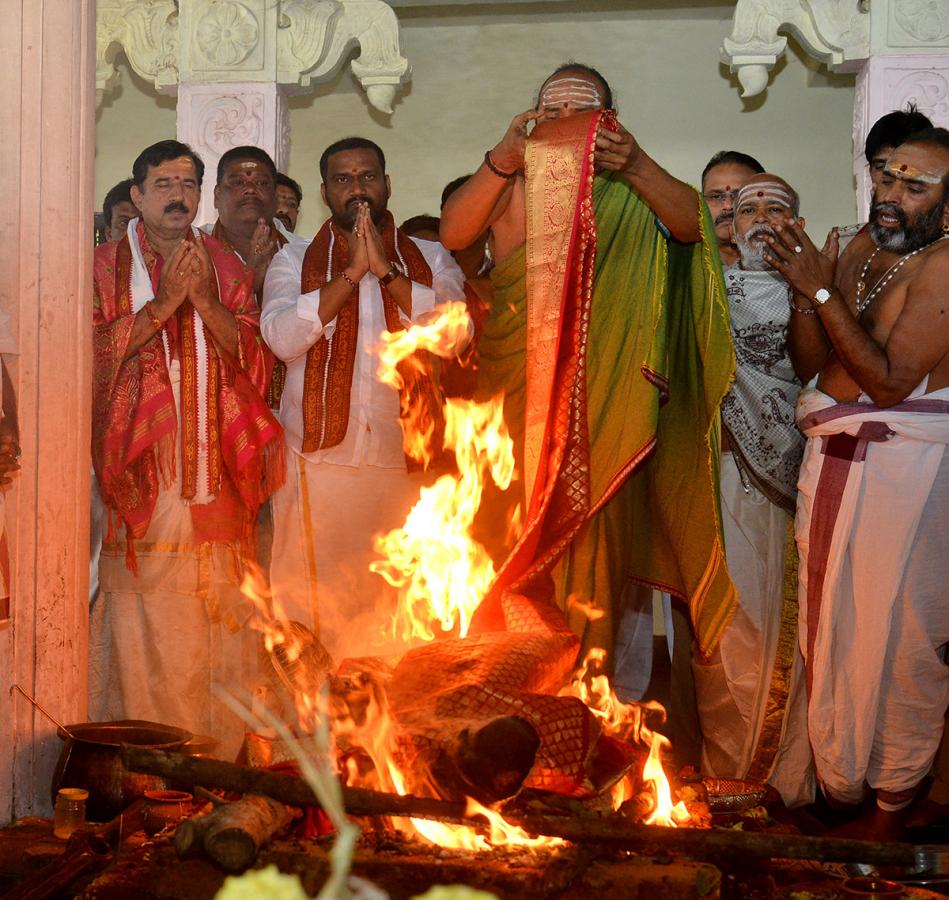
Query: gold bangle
[[157, 323], [349, 280]]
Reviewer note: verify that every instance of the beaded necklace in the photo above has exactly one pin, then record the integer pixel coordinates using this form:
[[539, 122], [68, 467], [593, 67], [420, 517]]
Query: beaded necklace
[[887, 276]]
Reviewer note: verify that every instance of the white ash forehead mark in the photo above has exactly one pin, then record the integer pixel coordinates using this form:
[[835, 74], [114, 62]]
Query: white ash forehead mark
[[766, 190], [565, 90]]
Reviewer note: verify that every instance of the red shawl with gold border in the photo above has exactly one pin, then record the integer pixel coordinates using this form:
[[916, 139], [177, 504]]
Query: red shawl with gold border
[[327, 381], [135, 421]]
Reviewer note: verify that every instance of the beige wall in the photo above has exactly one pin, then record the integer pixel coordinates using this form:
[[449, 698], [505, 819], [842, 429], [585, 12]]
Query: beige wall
[[474, 71]]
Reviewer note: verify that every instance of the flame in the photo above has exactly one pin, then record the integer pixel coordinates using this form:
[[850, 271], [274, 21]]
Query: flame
[[665, 813], [626, 721], [405, 355], [441, 574]]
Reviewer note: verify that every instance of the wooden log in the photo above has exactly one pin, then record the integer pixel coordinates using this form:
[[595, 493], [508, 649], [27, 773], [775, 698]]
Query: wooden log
[[692, 842], [214, 773], [232, 833]]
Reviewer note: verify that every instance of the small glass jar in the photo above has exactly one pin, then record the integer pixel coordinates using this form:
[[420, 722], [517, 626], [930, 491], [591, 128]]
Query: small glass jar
[[69, 811]]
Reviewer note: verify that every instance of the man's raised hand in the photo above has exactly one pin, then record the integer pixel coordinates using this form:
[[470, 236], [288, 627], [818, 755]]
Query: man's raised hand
[[379, 263], [262, 246], [358, 251], [203, 290], [508, 153], [803, 266], [616, 151], [175, 280]]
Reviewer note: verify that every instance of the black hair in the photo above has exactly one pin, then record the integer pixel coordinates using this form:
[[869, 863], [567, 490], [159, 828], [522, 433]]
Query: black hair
[[893, 129], [163, 151], [350, 143], [245, 152], [575, 66], [287, 182], [451, 187], [415, 224], [121, 193], [735, 158]]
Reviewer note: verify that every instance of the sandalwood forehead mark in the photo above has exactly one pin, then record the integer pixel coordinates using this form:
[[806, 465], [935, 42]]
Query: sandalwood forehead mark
[[909, 172], [765, 190], [580, 91]]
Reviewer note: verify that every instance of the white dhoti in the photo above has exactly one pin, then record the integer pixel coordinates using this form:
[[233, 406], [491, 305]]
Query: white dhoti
[[160, 640], [325, 519], [872, 525], [750, 693]]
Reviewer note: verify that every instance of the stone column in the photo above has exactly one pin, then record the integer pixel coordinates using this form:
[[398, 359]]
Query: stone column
[[908, 63], [47, 103], [898, 48]]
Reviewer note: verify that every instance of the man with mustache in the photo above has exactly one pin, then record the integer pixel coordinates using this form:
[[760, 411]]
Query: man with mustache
[[246, 204], [289, 198], [723, 176], [326, 306], [873, 494], [247, 223], [750, 692], [185, 450]]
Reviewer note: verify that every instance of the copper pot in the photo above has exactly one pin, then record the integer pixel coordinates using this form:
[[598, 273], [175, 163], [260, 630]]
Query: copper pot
[[164, 808], [91, 759]]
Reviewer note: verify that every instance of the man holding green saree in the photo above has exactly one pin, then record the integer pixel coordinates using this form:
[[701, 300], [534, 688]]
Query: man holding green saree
[[609, 339]]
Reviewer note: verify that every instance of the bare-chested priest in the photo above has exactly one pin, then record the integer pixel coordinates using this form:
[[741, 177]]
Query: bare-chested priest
[[873, 496], [605, 312]]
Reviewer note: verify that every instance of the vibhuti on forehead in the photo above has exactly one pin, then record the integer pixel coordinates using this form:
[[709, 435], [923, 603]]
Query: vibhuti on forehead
[[908, 172], [765, 190], [570, 89]]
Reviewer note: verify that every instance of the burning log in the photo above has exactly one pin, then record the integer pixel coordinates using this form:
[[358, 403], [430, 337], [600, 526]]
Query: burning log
[[232, 833], [214, 773], [618, 834]]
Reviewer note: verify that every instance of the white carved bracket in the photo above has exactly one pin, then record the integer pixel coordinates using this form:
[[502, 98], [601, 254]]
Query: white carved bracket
[[147, 30], [224, 41], [314, 37], [836, 32]]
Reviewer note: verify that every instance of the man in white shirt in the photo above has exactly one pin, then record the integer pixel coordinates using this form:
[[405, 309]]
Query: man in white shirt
[[326, 306]]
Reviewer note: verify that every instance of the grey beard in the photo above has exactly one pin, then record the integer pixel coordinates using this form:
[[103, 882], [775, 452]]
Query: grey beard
[[910, 237], [752, 252]]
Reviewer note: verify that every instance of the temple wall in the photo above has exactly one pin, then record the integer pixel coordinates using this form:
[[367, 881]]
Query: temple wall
[[474, 71]]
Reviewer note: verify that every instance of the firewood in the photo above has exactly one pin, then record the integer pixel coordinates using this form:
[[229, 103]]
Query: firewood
[[611, 831], [232, 833], [188, 770]]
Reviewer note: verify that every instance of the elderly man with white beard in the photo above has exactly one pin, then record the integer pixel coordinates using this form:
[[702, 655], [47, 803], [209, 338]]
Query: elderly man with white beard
[[752, 705]]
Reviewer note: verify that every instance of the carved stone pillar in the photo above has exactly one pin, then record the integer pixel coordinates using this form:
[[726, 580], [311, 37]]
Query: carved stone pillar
[[47, 98], [899, 49], [908, 63], [231, 62]]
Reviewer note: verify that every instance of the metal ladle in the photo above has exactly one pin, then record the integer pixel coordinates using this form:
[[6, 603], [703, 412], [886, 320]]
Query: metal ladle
[[36, 705]]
